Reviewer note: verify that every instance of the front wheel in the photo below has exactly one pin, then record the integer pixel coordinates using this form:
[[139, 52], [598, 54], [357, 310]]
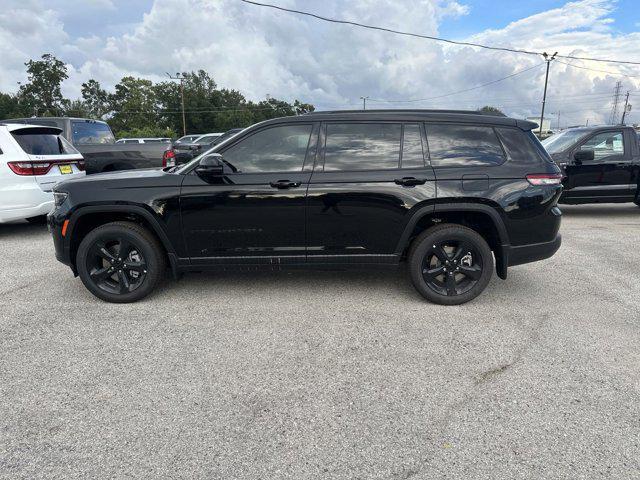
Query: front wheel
[[450, 264], [120, 262]]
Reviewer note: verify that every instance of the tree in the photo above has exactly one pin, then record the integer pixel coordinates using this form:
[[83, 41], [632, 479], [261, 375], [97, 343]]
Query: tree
[[133, 105], [42, 94], [95, 99], [10, 106], [492, 111]]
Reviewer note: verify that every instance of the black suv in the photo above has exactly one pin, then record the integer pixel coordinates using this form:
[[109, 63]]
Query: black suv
[[444, 191]]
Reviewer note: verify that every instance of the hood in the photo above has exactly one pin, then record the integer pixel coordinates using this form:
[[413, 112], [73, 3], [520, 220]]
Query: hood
[[121, 179]]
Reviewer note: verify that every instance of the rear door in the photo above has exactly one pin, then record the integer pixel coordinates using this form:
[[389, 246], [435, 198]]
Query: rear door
[[367, 177], [255, 213], [608, 175]]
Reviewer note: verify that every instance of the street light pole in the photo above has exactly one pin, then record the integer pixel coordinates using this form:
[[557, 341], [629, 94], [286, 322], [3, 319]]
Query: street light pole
[[626, 105], [364, 102], [546, 80], [181, 77]]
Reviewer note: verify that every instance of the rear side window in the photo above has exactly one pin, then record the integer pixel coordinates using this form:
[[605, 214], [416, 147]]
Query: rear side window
[[362, 146], [518, 146], [453, 145], [276, 149], [42, 141], [86, 132]]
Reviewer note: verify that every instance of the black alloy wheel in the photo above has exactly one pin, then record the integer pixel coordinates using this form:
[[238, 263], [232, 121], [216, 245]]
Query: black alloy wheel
[[120, 262], [452, 267], [450, 264]]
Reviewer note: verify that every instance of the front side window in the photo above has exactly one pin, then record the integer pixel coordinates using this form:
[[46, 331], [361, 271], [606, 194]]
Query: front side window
[[605, 145], [362, 146], [453, 145], [88, 132], [42, 141], [276, 149]]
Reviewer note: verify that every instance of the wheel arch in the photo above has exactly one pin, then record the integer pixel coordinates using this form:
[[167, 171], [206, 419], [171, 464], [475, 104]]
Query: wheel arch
[[87, 218], [484, 219]]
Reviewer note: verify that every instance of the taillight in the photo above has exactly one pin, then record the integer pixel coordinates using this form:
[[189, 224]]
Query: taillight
[[29, 168], [544, 178], [169, 158]]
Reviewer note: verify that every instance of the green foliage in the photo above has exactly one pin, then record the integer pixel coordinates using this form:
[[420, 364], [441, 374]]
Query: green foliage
[[42, 94], [139, 108], [147, 132], [492, 111]]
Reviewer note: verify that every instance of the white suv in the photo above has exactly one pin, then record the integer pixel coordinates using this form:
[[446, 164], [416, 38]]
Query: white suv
[[32, 160]]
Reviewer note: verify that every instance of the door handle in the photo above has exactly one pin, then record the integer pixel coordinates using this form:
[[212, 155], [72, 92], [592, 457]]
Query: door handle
[[282, 184], [410, 181]]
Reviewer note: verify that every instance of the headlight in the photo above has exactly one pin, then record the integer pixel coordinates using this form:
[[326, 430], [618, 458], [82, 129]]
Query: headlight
[[59, 198]]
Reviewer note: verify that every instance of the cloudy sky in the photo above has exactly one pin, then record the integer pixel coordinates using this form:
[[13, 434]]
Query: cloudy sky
[[261, 51]]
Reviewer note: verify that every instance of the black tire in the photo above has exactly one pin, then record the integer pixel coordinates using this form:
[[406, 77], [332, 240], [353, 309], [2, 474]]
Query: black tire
[[469, 267], [132, 277], [39, 220]]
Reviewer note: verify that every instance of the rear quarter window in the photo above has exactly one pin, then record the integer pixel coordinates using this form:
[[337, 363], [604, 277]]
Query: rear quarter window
[[453, 145], [520, 146]]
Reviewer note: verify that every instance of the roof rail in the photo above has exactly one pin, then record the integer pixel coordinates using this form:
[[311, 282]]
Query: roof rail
[[392, 111]]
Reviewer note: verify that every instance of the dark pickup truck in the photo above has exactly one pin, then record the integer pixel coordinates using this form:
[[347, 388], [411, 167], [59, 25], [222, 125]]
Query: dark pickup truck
[[600, 164], [97, 144]]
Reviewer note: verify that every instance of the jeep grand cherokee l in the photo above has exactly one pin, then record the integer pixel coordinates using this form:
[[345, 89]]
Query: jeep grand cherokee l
[[446, 192]]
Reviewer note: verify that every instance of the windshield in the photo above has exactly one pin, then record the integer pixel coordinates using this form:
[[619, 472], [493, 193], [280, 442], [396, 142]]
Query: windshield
[[207, 139], [87, 132], [561, 141]]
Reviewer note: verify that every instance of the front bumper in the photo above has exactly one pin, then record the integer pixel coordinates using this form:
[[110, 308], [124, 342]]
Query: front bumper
[[55, 224], [533, 252]]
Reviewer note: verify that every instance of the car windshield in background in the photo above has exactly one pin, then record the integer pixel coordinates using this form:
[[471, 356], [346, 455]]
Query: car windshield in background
[[42, 141], [91, 132], [561, 141], [206, 140]]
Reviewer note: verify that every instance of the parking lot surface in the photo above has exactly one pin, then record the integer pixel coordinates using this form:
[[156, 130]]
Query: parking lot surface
[[327, 374]]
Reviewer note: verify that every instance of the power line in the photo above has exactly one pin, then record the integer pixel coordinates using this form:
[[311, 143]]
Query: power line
[[598, 70], [459, 91], [427, 37]]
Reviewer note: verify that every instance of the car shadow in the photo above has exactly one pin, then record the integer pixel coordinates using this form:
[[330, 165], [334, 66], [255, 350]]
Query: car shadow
[[617, 210], [22, 228]]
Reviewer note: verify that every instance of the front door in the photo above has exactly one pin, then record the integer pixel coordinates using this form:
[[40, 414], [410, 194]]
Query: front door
[[255, 213], [607, 176], [367, 178]]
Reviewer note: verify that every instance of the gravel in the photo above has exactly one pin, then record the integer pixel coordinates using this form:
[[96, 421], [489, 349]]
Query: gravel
[[311, 375]]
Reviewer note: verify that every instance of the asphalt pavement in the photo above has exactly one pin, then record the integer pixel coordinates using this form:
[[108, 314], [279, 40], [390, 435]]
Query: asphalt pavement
[[336, 375]]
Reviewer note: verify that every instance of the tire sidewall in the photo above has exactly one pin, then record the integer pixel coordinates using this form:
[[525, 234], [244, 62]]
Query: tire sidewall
[[148, 252], [446, 233]]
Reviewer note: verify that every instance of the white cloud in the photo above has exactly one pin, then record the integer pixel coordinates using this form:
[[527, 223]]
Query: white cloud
[[261, 51]]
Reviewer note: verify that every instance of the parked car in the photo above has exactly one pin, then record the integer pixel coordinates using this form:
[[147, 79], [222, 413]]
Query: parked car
[[32, 160], [185, 152], [334, 188], [95, 141], [144, 140], [600, 164], [187, 138]]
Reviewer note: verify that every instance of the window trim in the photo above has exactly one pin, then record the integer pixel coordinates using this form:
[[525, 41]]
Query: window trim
[[505, 158], [422, 144], [251, 133]]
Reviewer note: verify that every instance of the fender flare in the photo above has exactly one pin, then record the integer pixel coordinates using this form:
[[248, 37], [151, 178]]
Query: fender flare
[[502, 255], [135, 209]]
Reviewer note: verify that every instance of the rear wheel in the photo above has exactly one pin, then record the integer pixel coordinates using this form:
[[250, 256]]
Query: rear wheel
[[450, 264], [120, 262]]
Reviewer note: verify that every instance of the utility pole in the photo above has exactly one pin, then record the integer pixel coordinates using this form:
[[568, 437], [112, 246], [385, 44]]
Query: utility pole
[[547, 59], [626, 108], [364, 102], [181, 77], [616, 99]]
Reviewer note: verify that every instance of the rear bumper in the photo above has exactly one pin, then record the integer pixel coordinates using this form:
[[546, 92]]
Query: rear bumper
[[533, 252]]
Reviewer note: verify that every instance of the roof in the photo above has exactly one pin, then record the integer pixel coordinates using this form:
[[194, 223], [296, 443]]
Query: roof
[[31, 119], [416, 115]]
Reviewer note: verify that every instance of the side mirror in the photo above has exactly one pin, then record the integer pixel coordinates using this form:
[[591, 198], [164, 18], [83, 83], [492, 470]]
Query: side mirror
[[583, 156], [211, 165]]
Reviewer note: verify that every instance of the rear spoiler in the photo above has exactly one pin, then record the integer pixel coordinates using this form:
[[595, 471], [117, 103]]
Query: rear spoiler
[[526, 125]]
